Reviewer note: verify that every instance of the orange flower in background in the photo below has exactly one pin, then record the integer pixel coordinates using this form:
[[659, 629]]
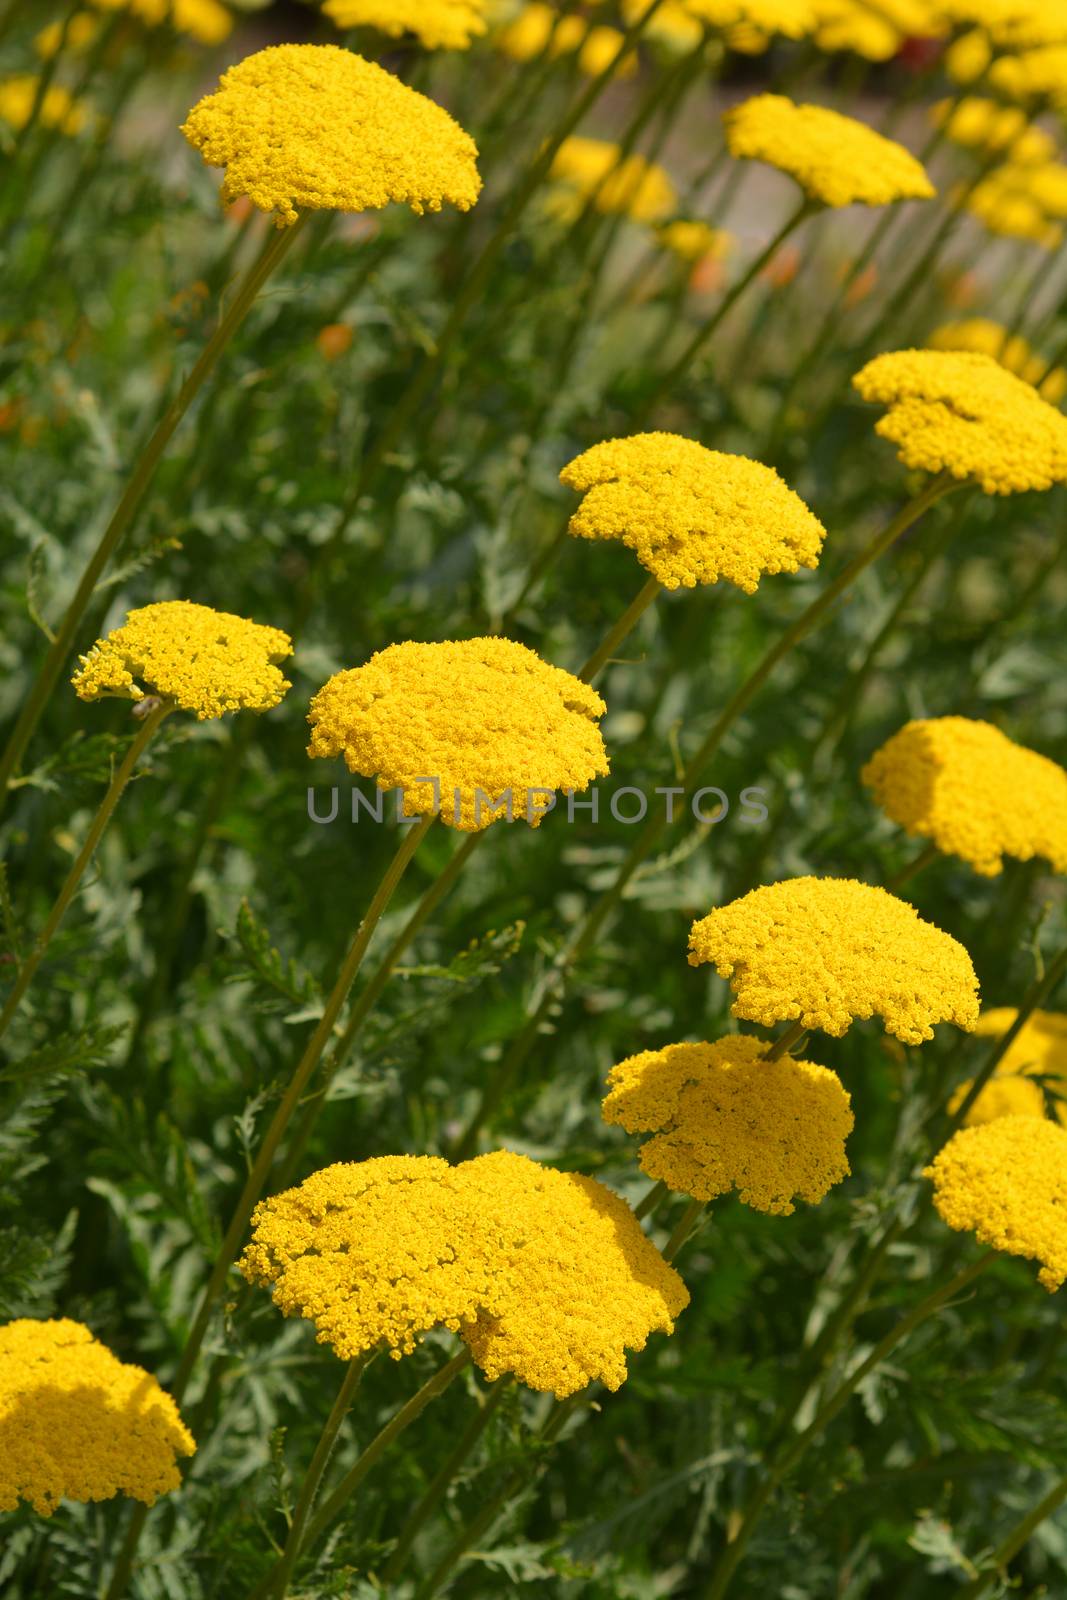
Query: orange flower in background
[[334, 340]]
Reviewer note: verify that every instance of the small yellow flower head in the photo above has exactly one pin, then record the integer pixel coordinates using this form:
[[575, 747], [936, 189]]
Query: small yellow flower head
[[964, 414], [793, 19], [76, 1423], [973, 791], [76, 36], [1005, 1095], [1012, 24], [836, 160], [1006, 1182], [1038, 1052], [206, 661], [875, 32], [725, 1118], [1021, 201], [692, 515], [827, 951], [981, 124], [1033, 75], [1012, 351], [437, 24], [695, 241], [596, 170], [206, 21], [674, 26], [484, 717], [59, 109], [540, 29], [545, 1274], [314, 127]]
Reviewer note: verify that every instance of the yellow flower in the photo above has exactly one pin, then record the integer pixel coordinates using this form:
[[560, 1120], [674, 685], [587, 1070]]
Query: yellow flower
[[695, 241], [793, 19], [875, 31], [80, 33], [673, 25], [485, 718], [206, 21], [76, 1423], [692, 515], [1038, 1052], [988, 125], [206, 661], [1033, 75], [725, 1118], [1012, 351], [1021, 201], [58, 109], [596, 170], [825, 951], [545, 1274], [963, 413], [437, 24], [316, 127], [973, 791], [836, 160], [1006, 1182], [1011, 24], [539, 28]]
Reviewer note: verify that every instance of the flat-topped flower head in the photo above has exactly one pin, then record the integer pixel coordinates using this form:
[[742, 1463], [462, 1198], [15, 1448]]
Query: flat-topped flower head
[[1010, 349], [958, 412], [1021, 201], [436, 24], [792, 19], [308, 127], [875, 32], [723, 1118], [836, 160], [1006, 1182], [76, 1423], [983, 124], [692, 515], [597, 171], [485, 718], [205, 661], [1011, 24], [545, 1274], [829, 951], [1034, 1062], [206, 21], [58, 108], [973, 791]]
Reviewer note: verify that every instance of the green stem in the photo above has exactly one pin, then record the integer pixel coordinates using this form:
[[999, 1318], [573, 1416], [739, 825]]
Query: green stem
[[928, 854], [683, 1228], [785, 1041], [653, 1199], [619, 631], [1010, 1547], [136, 488], [74, 877], [788, 1459]]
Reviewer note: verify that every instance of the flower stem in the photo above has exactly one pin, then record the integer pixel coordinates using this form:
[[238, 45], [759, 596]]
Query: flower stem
[[911, 869], [683, 1228], [619, 631], [785, 1041], [1010, 1547], [74, 877], [136, 488], [588, 930], [791, 1455], [652, 1201]]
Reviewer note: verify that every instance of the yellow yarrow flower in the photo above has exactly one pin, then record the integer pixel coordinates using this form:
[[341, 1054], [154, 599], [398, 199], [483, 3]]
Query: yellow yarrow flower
[[76, 1423], [595, 170], [836, 160], [723, 1118], [1011, 24], [313, 127], [673, 25], [437, 24], [979, 124], [1021, 201], [960, 412], [692, 515], [540, 28], [205, 661], [1006, 1182], [58, 110], [484, 717], [877, 30], [1011, 351], [544, 1274], [973, 791], [695, 241], [829, 951], [793, 19], [79, 34], [206, 21], [1035, 1060]]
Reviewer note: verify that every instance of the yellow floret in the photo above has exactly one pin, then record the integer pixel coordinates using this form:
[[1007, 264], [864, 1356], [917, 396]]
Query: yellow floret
[[313, 127], [1006, 1182], [208, 662], [596, 171], [828, 951], [963, 413], [692, 515], [437, 24], [836, 160], [726, 1118], [973, 791], [76, 1423], [484, 717]]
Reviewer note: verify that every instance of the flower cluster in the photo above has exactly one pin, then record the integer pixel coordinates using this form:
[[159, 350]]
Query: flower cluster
[[1035, 1059], [545, 1274], [988, 125], [963, 413], [481, 716], [826, 951], [540, 29], [595, 172], [76, 1423], [1011, 350], [692, 240], [314, 127], [692, 515], [836, 160], [725, 1118], [437, 24], [1006, 1182], [206, 21], [58, 108], [973, 791], [876, 33], [1022, 201], [206, 661]]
